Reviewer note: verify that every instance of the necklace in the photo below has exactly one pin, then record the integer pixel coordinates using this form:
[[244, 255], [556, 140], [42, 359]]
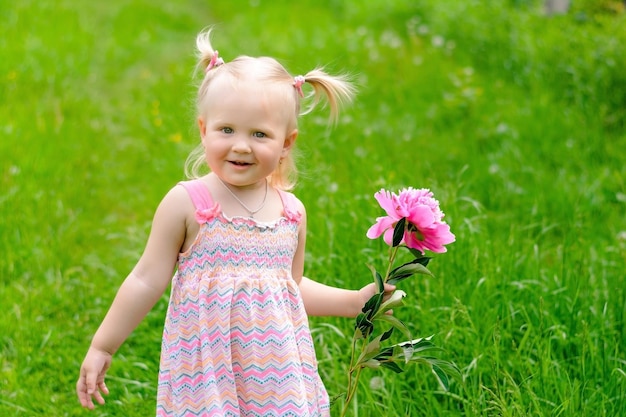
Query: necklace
[[252, 212]]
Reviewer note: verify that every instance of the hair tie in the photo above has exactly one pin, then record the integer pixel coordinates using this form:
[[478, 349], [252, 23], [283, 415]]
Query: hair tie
[[298, 80], [216, 61]]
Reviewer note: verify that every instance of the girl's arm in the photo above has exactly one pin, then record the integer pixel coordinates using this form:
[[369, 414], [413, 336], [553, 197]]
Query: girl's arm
[[138, 293], [324, 300]]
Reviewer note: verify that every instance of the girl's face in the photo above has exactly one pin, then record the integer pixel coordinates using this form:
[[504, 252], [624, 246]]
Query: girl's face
[[244, 132]]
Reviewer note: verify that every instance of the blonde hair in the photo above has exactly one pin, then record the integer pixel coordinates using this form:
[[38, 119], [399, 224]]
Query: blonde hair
[[337, 91]]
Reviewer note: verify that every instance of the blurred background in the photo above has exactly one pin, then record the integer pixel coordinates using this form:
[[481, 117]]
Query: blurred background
[[511, 112]]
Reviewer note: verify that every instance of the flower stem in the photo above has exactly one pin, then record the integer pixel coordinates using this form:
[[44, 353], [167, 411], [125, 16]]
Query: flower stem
[[352, 387], [392, 257], [353, 380], [350, 391]]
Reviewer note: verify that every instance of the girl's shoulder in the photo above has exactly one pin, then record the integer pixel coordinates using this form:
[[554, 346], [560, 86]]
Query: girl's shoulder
[[198, 191], [171, 217], [178, 200]]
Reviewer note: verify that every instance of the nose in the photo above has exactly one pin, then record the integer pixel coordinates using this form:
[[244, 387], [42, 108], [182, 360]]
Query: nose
[[241, 144]]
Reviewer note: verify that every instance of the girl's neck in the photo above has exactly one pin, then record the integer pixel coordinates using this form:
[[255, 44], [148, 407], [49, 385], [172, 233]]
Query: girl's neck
[[244, 198]]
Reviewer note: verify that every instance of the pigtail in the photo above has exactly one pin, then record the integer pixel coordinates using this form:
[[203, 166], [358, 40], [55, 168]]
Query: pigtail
[[337, 89], [208, 59], [205, 51]]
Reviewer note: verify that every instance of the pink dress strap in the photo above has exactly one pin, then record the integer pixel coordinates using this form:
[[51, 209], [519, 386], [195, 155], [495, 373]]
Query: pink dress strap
[[290, 205], [201, 198], [206, 208], [199, 194]]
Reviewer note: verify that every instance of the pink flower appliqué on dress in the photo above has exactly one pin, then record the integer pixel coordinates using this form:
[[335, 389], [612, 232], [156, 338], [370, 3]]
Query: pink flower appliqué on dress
[[204, 215], [295, 216], [426, 229]]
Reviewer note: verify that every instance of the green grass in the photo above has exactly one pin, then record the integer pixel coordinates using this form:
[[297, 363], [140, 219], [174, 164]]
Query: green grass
[[514, 120]]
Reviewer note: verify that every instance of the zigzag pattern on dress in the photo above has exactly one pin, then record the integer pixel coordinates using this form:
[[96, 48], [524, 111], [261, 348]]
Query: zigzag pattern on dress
[[240, 253], [236, 340]]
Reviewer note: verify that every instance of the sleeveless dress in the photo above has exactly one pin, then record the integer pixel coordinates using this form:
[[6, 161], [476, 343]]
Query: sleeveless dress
[[236, 340]]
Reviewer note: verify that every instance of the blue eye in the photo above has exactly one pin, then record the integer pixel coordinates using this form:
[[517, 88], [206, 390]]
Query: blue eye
[[227, 130], [259, 134]]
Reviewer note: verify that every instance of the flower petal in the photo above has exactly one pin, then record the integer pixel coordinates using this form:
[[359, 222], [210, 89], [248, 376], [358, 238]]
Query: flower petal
[[388, 237], [421, 216], [388, 202], [382, 224], [411, 241]]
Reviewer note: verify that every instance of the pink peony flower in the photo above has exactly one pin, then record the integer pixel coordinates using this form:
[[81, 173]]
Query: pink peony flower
[[426, 229]]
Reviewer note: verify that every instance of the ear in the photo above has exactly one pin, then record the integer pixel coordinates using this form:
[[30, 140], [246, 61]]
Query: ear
[[202, 128], [290, 140]]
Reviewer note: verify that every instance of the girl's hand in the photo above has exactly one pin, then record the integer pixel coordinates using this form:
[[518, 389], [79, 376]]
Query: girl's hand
[[370, 290], [91, 381]]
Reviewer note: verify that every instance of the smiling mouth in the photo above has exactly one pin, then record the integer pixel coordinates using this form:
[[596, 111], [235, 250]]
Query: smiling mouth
[[239, 163]]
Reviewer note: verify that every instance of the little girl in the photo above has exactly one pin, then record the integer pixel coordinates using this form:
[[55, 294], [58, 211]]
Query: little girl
[[236, 340]]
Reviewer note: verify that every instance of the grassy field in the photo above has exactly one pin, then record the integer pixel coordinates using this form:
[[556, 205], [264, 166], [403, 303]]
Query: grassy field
[[515, 120]]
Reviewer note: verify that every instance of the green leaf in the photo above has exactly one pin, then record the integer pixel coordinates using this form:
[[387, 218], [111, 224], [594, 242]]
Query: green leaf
[[393, 366], [419, 256], [386, 335], [412, 347], [414, 350], [364, 325], [385, 354], [395, 300], [398, 232], [442, 377], [378, 279], [372, 349], [372, 305], [449, 368], [380, 283], [425, 345], [413, 267], [358, 334], [405, 271], [372, 363], [395, 322], [373, 346]]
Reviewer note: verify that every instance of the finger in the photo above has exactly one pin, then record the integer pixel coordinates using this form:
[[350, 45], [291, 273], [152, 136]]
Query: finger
[[90, 381], [103, 387], [83, 397], [99, 398]]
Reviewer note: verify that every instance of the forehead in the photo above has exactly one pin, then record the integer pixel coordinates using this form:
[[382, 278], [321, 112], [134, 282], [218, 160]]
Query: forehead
[[226, 85], [250, 94]]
